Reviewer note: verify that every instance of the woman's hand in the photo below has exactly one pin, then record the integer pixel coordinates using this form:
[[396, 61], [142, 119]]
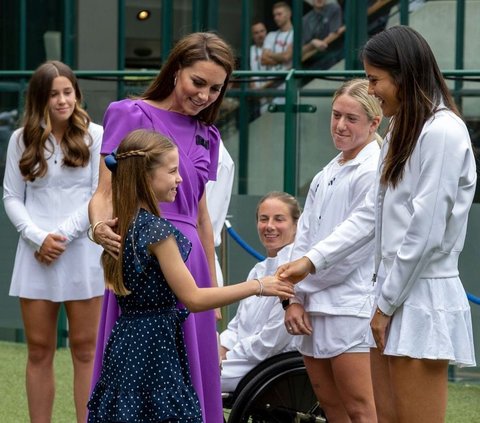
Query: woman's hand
[[295, 271], [105, 236], [297, 321], [273, 287], [222, 351], [379, 325], [52, 248]]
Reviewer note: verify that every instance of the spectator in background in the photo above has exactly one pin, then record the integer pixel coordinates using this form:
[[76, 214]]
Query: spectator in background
[[259, 32], [320, 27], [378, 14], [278, 47], [377, 21]]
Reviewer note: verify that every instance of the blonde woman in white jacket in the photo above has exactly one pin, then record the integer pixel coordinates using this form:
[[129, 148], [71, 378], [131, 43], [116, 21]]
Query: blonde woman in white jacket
[[417, 212], [336, 303]]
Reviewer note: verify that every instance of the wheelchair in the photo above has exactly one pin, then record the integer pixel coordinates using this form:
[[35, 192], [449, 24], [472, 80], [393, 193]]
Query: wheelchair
[[276, 391]]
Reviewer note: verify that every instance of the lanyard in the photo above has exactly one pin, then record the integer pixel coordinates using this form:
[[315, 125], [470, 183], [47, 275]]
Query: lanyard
[[286, 40], [258, 53]]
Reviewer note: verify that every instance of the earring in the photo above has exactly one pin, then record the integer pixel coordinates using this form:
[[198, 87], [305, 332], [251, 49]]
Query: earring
[[175, 81]]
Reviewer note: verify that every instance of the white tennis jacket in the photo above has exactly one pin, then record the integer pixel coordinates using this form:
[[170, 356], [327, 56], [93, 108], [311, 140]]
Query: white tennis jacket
[[335, 192], [420, 225]]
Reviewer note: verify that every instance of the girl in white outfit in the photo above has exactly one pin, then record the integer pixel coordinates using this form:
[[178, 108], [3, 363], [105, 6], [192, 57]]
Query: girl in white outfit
[[50, 176], [336, 304], [257, 331], [417, 211]]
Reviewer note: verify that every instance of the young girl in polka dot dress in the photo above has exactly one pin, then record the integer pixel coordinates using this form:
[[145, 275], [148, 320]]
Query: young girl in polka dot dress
[[145, 375]]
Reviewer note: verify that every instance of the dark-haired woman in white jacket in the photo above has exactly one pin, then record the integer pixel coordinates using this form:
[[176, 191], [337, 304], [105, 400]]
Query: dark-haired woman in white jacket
[[417, 212]]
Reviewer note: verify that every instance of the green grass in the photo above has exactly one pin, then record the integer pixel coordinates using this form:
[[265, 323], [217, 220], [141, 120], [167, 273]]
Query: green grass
[[463, 402], [13, 399]]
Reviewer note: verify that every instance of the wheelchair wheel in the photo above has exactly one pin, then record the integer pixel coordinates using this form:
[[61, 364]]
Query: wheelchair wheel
[[279, 393]]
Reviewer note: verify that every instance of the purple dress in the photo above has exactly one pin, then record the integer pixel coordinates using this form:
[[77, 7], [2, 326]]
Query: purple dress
[[198, 146]]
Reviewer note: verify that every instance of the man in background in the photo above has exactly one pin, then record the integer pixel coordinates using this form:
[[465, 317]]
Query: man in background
[[320, 27], [278, 47], [259, 32]]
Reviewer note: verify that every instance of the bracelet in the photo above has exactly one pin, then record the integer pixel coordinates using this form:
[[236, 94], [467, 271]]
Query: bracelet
[[260, 284], [89, 233], [378, 311], [94, 228]]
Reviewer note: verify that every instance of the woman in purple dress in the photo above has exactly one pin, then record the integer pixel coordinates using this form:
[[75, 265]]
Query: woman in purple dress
[[182, 103]]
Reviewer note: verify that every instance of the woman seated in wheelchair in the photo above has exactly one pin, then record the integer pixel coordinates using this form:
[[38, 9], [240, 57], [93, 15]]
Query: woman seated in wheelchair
[[257, 331]]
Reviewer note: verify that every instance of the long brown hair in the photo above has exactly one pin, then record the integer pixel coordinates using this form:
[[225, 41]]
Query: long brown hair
[[406, 56], [189, 50], [138, 154], [38, 127]]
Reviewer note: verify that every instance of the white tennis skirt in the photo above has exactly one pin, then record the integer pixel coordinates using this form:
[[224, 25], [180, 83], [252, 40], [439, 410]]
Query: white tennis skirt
[[334, 335], [434, 323]]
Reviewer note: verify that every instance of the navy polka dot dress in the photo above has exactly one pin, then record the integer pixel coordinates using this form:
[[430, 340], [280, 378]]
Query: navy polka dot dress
[[145, 375]]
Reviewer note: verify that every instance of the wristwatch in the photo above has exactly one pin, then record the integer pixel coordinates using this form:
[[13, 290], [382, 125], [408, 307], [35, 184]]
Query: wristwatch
[[285, 303]]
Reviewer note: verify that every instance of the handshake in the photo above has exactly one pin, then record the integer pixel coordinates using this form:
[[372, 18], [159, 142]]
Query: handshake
[[287, 275]]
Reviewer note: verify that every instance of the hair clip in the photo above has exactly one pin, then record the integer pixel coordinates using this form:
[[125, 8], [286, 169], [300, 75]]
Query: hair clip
[[111, 161]]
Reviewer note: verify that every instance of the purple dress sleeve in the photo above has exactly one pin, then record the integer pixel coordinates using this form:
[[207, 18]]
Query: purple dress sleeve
[[214, 137], [121, 118]]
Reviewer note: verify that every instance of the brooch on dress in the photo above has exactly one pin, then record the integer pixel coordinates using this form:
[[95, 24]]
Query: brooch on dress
[[202, 141]]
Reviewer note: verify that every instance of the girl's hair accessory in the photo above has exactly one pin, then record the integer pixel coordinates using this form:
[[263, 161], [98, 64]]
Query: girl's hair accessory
[[111, 161]]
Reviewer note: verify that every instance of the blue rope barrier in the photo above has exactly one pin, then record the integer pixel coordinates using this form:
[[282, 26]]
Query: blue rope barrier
[[242, 243], [473, 298], [259, 257]]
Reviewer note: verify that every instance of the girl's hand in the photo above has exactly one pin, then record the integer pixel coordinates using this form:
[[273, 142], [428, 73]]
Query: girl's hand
[[379, 325], [222, 351], [105, 236], [52, 248], [273, 287], [295, 271]]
